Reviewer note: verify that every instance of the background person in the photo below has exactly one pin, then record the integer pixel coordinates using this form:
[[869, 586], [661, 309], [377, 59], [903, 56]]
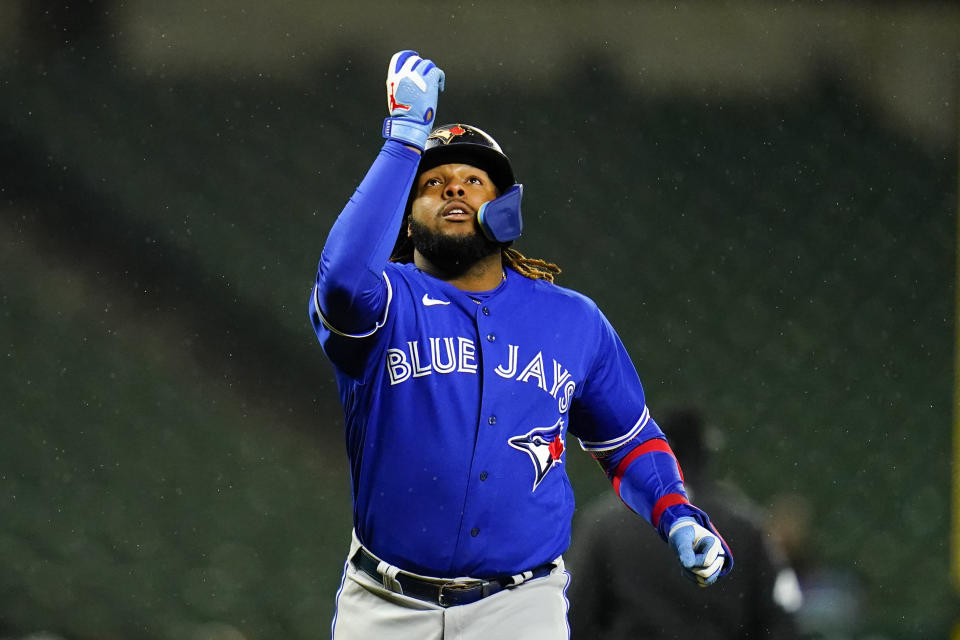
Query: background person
[[626, 586]]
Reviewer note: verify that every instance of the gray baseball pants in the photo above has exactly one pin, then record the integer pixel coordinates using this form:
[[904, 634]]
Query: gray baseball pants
[[534, 610]]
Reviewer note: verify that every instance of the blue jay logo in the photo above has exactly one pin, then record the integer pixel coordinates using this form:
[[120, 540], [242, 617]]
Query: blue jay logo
[[545, 447], [447, 134]]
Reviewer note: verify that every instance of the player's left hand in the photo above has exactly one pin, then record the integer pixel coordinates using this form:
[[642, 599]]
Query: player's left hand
[[699, 550]]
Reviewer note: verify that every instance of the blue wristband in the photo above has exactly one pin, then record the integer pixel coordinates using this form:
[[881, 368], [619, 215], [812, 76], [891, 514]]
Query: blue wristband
[[407, 131]]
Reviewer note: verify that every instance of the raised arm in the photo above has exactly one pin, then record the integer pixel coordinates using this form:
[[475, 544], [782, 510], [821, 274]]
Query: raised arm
[[351, 295]]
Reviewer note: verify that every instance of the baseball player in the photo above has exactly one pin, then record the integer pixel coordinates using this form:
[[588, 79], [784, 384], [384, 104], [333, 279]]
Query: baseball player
[[463, 370]]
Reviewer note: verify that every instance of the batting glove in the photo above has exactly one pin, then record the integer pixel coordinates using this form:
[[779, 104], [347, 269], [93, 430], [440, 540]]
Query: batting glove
[[698, 549], [412, 88]]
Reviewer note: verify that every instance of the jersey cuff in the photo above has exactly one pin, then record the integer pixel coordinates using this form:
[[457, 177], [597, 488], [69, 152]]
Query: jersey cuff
[[607, 445], [334, 330]]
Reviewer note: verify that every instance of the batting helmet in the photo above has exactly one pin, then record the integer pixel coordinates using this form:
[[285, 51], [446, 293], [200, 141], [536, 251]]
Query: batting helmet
[[465, 144]]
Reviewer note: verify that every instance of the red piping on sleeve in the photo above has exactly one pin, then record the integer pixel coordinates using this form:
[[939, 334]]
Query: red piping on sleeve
[[670, 499], [666, 501], [654, 444]]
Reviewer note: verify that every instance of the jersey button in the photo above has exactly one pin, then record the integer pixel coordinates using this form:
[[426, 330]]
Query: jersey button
[[492, 419], [486, 311], [491, 337], [474, 532], [483, 476]]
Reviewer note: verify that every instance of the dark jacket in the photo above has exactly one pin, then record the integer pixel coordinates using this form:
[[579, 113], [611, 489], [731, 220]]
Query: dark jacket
[[626, 582]]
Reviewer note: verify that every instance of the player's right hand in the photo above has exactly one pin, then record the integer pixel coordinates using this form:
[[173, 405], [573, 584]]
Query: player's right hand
[[413, 85]]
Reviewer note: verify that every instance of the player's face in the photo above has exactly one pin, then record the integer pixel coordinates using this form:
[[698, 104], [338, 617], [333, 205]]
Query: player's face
[[443, 217], [448, 197]]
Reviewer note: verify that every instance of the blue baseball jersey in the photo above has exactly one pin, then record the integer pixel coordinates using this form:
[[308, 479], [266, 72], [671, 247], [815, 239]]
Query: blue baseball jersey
[[459, 405]]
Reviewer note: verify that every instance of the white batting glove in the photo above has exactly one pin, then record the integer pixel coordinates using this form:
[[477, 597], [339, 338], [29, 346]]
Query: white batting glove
[[413, 85], [699, 551]]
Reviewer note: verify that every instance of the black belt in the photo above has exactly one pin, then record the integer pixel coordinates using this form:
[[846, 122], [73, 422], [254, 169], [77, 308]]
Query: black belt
[[446, 593]]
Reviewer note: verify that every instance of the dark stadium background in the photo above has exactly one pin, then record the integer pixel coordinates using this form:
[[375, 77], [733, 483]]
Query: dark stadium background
[[762, 198]]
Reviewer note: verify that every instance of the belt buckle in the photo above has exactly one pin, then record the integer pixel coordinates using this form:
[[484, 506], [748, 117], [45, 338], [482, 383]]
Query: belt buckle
[[456, 587]]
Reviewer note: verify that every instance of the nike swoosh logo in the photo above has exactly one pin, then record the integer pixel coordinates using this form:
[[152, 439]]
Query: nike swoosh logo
[[430, 302]]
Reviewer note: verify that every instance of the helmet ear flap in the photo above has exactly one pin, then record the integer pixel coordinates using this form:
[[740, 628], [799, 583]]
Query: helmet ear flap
[[500, 219]]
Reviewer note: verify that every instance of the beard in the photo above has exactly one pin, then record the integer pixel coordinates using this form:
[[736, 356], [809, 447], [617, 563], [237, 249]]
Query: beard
[[453, 254]]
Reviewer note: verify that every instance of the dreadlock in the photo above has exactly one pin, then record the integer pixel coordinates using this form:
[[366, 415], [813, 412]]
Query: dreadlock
[[532, 268], [403, 249]]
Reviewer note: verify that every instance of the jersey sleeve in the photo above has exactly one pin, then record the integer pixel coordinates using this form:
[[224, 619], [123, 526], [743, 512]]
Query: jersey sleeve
[[613, 423], [610, 408], [351, 293]]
